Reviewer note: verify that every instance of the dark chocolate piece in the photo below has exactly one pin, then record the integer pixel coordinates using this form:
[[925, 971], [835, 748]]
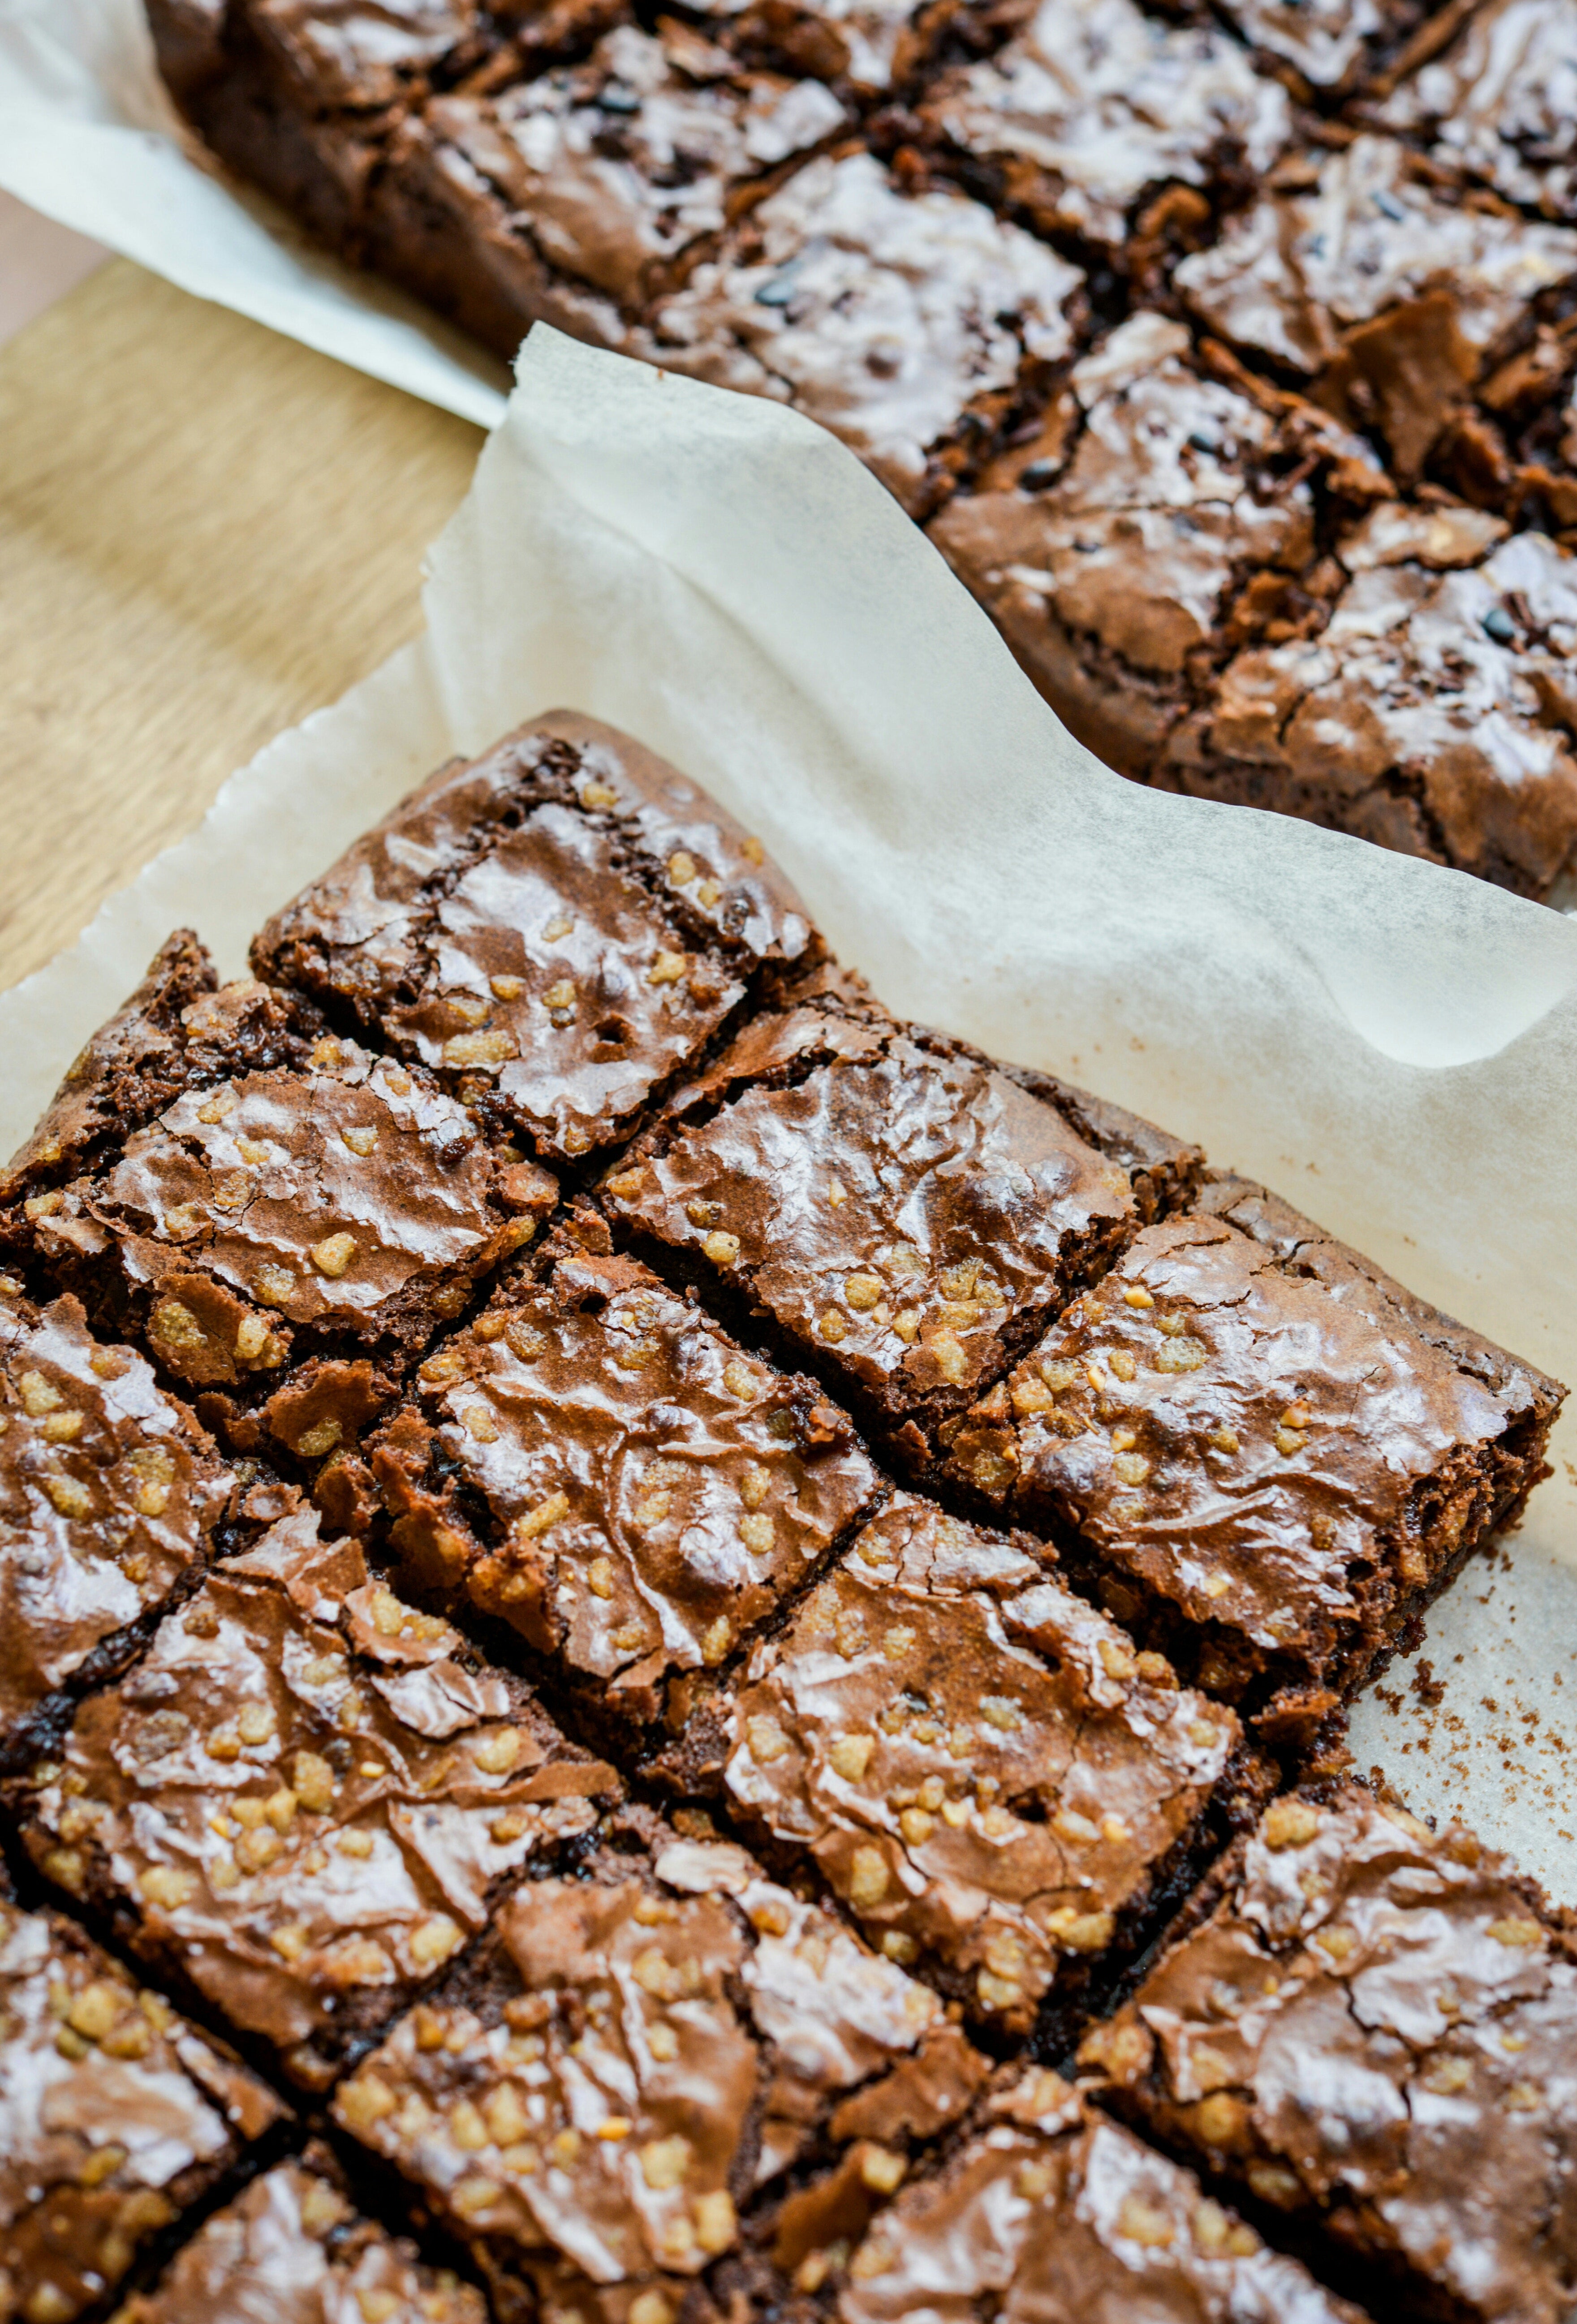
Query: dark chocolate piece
[[1371, 2030], [302, 1800]]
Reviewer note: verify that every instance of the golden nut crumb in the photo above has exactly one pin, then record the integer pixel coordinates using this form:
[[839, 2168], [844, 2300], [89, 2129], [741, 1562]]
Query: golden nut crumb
[[665, 2162], [1291, 1823], [668, 968], [1136, 1296], [1143, 2223], [720, 1248], [716, 1641], [869, 1878], [681, 868], [850, 1756]]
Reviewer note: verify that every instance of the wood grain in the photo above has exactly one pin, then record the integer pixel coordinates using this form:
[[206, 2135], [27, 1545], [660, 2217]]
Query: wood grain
[[206, 531]]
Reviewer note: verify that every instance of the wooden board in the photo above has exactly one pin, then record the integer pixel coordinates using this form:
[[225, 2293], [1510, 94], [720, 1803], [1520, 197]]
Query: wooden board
[[206, 531]]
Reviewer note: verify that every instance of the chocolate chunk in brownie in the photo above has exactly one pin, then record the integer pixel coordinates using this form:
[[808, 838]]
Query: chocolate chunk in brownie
[[1384, 285], [983, 1768], [1052, 2212], [594, 1461], [1371, 2030], [636, 2084], [1095, 104], [1162, 509], [894, 1202], [1262, 1440], [1332, 48], [1436, 713], [116, 2118], [109, 1493], [555, 928], [304, 1800], [576, 196], [291, 2247], [1501, 102], [904, 321]]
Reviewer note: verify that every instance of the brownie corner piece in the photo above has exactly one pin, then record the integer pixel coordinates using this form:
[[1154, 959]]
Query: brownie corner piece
[[1268, 1455], [119, 2117], [304, 1800], [1366, 2028]]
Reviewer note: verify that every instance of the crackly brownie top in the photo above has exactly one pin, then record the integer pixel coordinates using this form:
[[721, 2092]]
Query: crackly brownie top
[[350, 1197], [302, 1793], [1334, 44], [1501, 102], [650, 1491], [651, 2046], [1093, 101], [1376, 2017], [113, 2114], [372, 58], [1051, 2215], [872, 44], [291, 2248], [884, 315], [565, 922], [979, 1762], [1439, 702], [1372, 230], [905, 1207], [616, 166], [107, 1491]]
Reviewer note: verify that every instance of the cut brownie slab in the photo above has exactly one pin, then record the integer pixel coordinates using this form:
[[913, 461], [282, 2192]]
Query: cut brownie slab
[[904, 321], [556, 928], [292, 2249], [108, 1494], [1371, 2030], [1271, 1450], [304, 1798], [1501, 102], [596, 1462], [1095, 104], [1436, 713], [981, 1765], [116, 2117], [668, 2077], [1163, 510], [891, 1200], [1051, 2215]]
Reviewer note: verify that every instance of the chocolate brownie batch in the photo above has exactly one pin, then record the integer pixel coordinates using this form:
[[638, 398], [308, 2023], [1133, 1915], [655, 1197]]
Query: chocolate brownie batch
[[1228, 354], [690, 1642]]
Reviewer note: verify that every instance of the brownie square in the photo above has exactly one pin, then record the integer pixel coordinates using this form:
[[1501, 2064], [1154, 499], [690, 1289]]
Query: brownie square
[[117, 2116], [597, 1463], [1095, 104], [1500, 102], [1161, 511], [109, 1492], [291, 2248], [979, 1764], [894, 1202], [303, 1800], [1329, 49], [1051, 2213], [1370, 2029], [657, 2082], [1271, 1454], [555, 930], [1435, 713], [905, 322]]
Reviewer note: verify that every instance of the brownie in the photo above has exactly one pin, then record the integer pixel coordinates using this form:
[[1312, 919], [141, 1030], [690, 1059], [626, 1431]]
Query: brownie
[[1163, 510], [594, 1462], [1051, 2213], [555, 930], [1382, 284], [1371, 2030], [982, 1767], [291, 2248], [872, 49], [896, 1203], [116, 2118], [1095, 104], [907, 322], [1436, 712], [109, 1493], [1500, 102], [1270, 1455], [1330, 49], [304, 1799], [667, 2069]]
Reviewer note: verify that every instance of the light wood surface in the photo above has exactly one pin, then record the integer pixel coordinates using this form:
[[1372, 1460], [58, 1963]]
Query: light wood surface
[[206, 531]]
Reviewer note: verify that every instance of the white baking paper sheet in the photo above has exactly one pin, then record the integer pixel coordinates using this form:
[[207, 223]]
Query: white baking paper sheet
[[1392, 1045]]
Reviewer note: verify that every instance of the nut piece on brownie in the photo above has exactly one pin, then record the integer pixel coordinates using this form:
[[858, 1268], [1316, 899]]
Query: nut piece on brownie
[[1371, 2030], [305, 1797]]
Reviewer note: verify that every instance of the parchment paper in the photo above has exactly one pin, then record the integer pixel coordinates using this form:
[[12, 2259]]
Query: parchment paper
[[1392, 1045]]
